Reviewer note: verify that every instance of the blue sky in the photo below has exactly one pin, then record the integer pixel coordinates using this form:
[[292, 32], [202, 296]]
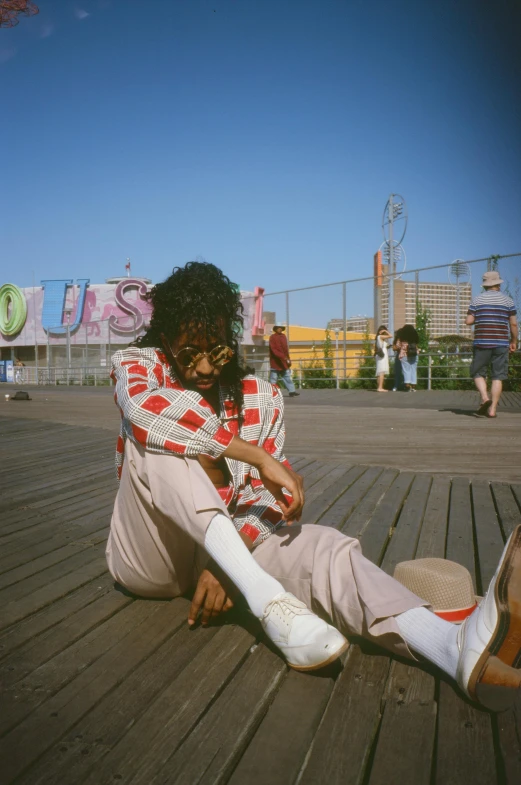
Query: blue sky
[[262, 135]]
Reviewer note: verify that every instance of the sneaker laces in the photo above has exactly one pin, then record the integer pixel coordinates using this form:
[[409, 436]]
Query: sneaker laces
[[287, 604]]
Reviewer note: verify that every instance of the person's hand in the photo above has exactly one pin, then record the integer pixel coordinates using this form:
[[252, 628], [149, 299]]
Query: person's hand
[[276, 476], [513, 346], [210, 596], [289, 363]]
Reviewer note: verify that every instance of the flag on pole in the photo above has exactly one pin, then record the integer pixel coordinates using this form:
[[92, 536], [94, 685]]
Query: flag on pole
[[127, 267]]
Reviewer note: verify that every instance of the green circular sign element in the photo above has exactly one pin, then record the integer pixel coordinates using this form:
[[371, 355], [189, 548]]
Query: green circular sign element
[[11, 295]]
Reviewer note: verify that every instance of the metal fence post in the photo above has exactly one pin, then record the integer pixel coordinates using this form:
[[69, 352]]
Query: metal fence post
[[287, 316], [86, 350], [344, 317], [429, 373], [110, 351]]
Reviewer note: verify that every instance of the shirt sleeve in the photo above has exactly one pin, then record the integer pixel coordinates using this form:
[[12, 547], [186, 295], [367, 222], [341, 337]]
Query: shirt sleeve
[[163, 419], [257, 513]]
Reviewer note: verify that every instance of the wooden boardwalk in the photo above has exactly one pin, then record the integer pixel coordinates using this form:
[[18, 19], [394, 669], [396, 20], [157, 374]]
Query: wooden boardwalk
[[99, 687]]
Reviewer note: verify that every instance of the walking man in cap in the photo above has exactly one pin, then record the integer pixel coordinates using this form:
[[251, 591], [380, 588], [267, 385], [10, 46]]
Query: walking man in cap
[[280, 363], [493, 315]]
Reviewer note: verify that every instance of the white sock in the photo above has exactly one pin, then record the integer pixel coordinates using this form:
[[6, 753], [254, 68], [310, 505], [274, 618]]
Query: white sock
[[432, 637], [224, 545]]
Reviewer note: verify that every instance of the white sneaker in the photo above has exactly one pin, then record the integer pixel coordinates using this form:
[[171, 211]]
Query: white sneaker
[[307, 641], [489, 640]]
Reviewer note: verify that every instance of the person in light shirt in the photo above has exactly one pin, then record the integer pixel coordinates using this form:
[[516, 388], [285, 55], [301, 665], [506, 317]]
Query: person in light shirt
[[494, 318]]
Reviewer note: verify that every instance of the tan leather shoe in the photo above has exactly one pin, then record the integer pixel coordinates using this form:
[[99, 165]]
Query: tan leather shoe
[[489, 640]]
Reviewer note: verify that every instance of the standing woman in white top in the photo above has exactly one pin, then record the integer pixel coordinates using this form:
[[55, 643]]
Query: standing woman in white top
[[382, 356]]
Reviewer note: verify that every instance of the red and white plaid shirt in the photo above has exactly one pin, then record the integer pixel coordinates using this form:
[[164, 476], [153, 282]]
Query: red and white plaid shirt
[[162, 416]]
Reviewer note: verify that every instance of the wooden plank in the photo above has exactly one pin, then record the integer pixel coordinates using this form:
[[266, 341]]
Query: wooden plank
[[376, 536], [314, 511], [404, 540], [73, 756], [405, 748], [488, 533], [345, 504], [42, 648], [342, 745], [30, 739], [215, 745], [507, 508], [314, 473], [333, 474], [434, 530], [509, 742], [57, 531], [160, 730], [30, 628], [27, 693], [18, 591], [298, 708], [465, 748], [361, 515], [48, 487], [28, 515], [33, 556], [59, 556], [516, 490], [460, 538], [16, 611]]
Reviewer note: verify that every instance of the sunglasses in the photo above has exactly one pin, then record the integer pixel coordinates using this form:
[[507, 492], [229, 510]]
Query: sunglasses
[[188, 357]]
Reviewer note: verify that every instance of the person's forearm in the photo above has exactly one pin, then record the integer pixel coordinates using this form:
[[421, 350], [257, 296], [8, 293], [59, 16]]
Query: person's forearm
[[239, 450], [513, 333]]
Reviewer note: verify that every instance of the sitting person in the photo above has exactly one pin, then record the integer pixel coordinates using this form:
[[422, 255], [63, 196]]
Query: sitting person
[[207, 501]]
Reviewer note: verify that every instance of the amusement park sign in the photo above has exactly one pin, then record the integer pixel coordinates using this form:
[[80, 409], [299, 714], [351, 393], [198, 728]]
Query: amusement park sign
[[99, 313]]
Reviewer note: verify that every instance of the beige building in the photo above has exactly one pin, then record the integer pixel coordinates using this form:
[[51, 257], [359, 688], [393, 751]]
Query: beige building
[[441, 299], [355, 324]]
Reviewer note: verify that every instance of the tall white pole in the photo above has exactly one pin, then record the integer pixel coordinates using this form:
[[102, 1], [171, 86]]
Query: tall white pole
[[391, 270], [35, 332]]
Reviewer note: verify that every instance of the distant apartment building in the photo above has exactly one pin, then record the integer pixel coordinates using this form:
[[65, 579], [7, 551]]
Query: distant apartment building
[[441, 299], [354, 324]]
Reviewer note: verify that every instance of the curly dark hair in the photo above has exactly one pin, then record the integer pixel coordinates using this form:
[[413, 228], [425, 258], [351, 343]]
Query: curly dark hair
[[408, 333], [198, 299]]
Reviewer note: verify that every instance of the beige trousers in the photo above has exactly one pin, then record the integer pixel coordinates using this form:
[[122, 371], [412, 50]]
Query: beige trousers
[[155, 549]]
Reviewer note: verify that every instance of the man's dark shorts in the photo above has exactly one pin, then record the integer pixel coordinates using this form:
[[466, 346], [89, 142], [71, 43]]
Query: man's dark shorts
[[497, 358]]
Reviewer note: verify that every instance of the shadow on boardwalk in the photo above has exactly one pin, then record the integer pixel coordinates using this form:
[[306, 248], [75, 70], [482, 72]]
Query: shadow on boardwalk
[[100, 687]]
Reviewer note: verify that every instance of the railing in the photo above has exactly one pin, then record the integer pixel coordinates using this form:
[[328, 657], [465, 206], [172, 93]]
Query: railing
[[435, 370], [88, 377]]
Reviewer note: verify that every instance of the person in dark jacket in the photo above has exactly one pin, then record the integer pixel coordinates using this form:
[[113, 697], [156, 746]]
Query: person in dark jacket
[[280, 362]]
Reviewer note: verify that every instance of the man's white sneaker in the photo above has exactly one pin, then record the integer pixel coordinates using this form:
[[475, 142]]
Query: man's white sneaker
[[306, 640], [489, 640]]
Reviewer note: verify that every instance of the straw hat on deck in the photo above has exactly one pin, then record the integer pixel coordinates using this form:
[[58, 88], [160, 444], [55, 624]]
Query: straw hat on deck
[[447, 586]]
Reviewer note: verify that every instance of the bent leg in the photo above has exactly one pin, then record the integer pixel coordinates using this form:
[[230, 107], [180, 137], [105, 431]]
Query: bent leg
[[163, 507], [326, 570]]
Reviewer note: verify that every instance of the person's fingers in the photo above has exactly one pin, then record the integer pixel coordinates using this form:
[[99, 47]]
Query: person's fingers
[[294, 510], [195, 607], [208, 608], [219, 602], [227, 605]]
